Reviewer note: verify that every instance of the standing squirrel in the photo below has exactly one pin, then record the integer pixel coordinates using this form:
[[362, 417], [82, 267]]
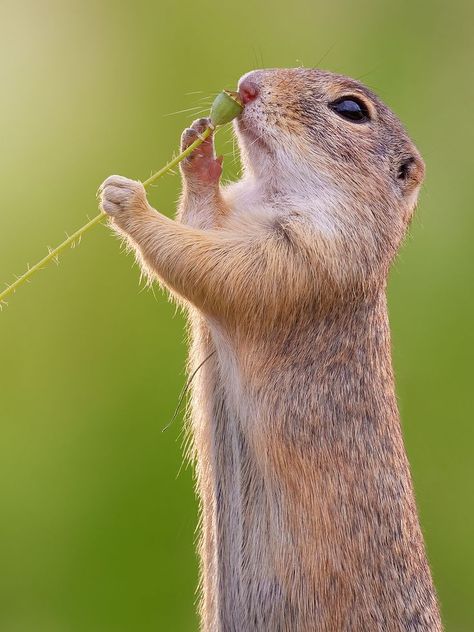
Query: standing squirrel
[[308, 517]]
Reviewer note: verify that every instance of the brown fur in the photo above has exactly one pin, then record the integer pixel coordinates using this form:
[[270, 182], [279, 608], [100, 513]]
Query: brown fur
[[308, 516]]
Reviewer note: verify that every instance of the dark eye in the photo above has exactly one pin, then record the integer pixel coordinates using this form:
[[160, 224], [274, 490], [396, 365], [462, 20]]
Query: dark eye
[[351, 108]]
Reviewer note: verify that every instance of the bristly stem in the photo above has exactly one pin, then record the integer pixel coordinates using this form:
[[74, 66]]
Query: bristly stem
[[184, 154], [53, 254]]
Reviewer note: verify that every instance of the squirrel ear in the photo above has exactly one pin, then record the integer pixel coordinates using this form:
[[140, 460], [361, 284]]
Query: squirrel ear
[[410, 172]]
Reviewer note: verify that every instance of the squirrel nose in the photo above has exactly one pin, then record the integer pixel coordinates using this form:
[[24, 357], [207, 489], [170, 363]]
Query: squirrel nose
[[248, 91]]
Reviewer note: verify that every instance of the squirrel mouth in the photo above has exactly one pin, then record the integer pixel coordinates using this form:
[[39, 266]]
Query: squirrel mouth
[[252, 137]]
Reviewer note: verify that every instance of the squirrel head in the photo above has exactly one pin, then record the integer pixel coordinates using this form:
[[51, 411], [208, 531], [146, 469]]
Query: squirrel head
[[328, 141]]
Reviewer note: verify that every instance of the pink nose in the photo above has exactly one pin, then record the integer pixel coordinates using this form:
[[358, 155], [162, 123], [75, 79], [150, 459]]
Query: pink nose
[[248, 91]]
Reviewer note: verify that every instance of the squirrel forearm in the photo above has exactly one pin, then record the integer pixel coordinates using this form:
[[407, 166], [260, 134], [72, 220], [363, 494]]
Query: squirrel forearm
[[201, 208], [218, 271]]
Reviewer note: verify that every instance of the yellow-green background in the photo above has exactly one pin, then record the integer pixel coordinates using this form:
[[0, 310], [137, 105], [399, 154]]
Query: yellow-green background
[[97, 518]]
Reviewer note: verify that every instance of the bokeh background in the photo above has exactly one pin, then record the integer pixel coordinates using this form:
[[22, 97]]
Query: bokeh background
[[97, 511]]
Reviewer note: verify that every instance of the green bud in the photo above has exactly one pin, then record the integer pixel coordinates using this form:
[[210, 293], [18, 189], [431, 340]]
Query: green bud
[[227, 105]]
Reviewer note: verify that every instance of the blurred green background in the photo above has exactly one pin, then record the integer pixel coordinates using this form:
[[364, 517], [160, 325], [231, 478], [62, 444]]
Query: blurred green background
[[97, 516]]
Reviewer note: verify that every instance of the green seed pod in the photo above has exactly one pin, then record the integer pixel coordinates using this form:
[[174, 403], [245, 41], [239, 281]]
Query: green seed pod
[[227, 105]]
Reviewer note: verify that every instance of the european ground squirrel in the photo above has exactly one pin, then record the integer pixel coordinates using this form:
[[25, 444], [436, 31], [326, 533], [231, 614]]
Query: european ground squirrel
[[308, 515]]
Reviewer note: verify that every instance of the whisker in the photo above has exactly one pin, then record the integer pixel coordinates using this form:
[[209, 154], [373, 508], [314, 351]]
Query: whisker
[[196, 107], [329, 50], [184, 390], [369, 72]]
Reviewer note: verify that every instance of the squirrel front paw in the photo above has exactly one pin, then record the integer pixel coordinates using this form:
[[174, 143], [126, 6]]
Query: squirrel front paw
[[201, 167], [119, 195]]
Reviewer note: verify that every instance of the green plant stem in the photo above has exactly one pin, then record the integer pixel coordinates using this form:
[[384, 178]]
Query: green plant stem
[[172, 163], [53, 254]]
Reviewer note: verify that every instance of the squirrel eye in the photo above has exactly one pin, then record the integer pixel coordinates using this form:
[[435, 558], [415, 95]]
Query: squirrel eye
[[351, 108]]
